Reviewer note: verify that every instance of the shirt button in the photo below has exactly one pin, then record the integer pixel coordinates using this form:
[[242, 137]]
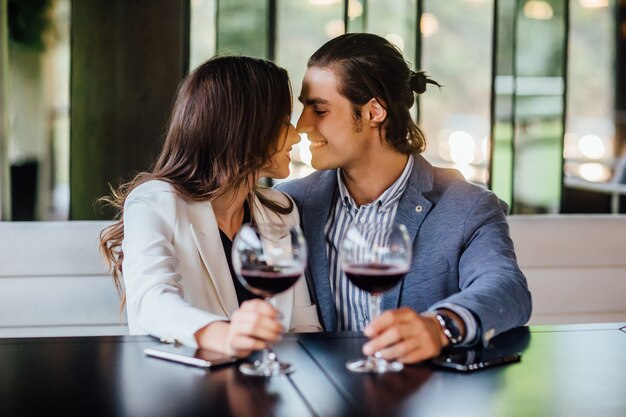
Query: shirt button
[[419, 208]]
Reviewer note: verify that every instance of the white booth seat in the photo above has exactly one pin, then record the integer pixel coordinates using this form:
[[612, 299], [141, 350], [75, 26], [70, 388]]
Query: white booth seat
[[575, 266], [54, 282]]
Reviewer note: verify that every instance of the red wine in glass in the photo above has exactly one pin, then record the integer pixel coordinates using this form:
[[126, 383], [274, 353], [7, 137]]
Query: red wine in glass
[[375, 278], [268, 283], [268, 258], [375, 257]]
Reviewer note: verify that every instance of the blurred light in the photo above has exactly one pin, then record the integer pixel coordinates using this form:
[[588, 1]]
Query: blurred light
[[304, 151], [334, 28], [355, 9], [538, 9], [480, 157], [462, 147], [396, 40], [594, 172], [594, 3], [323, 2], [196, 4], [591, 146], [429, 25], [570, 147], [468, 171], [571, 169], [443, 147]]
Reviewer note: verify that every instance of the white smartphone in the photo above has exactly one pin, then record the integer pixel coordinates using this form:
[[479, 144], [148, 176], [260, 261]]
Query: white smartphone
[[189, 356]]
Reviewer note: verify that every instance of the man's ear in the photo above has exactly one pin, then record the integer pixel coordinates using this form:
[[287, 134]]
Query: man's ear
[[377, 113]]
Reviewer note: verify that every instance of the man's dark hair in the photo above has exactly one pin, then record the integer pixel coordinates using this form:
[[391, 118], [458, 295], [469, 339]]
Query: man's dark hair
[[369, 66]]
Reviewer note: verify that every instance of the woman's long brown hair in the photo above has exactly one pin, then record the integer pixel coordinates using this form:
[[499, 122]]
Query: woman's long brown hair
[[225, 124]]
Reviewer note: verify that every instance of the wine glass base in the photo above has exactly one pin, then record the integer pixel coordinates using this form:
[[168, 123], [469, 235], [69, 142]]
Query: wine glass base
[[373, 365], [259, 368]]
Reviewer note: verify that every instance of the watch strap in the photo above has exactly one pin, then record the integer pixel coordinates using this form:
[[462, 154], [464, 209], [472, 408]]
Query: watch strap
[[449, 328]]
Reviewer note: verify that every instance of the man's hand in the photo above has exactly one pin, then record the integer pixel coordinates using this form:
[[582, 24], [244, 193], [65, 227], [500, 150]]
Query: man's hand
[[405, 336], [254, 326]]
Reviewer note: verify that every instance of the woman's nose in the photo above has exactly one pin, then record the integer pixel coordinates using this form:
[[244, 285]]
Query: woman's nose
[[295, 136]]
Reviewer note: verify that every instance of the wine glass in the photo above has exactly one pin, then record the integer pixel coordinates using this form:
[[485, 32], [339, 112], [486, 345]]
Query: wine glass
[[375, 258], [268, 258]]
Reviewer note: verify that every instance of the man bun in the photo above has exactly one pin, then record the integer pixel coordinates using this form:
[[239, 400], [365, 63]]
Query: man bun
[[419, 80]]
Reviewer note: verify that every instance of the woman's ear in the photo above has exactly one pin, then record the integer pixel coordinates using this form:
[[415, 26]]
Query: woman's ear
[[377, 113]]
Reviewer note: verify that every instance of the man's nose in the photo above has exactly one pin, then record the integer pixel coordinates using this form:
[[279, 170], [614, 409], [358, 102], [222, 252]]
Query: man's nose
[[304, 124]]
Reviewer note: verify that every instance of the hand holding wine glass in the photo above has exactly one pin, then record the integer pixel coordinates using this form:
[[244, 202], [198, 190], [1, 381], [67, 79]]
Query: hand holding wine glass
[[406, 336], [375, 258], [268, 259], [252, 327]]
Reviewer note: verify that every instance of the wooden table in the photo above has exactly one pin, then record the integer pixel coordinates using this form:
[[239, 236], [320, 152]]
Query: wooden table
[[574, 370]]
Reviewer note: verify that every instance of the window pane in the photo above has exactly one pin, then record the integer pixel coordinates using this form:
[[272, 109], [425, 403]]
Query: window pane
[[202, 31], [38, 103], [503, 126], [303, 27], [397, 24], [590, 149], [456, 52], [242, 27], [539, 89]]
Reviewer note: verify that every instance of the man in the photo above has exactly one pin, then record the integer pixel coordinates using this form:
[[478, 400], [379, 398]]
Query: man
[[464, 285]]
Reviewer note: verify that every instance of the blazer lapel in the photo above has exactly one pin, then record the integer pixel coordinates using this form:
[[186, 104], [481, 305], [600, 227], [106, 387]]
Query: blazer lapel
[[206, 234], [413, 208], [315, 211]]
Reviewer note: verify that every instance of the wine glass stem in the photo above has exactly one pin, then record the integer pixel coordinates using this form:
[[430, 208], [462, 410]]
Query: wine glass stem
[[374, 306], [269, 356]]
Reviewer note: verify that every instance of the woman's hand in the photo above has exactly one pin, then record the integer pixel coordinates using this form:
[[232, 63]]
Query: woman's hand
[[254, 326]]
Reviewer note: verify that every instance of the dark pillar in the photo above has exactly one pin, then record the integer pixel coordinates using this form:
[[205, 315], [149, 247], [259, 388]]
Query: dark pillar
[[5, 184], [128, 58]]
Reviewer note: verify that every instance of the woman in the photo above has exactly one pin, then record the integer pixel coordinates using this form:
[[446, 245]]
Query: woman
[[229, 127]]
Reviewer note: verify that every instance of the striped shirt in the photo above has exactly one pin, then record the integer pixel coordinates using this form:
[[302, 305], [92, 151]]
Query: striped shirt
[[351, 303]]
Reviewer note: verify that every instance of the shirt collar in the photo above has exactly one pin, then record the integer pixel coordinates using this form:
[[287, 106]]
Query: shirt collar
[[389, 197]]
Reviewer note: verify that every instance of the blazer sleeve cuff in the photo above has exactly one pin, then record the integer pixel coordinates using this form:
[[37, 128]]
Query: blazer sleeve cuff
[[471, 324], [187, 324]]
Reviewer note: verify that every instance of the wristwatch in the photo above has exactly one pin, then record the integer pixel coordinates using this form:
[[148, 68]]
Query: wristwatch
[[449, 328]]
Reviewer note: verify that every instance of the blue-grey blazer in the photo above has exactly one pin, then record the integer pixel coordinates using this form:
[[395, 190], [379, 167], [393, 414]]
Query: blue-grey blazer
[[462, 251]]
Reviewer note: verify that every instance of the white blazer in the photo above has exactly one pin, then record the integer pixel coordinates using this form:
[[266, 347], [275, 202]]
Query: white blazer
[[175, 270]]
